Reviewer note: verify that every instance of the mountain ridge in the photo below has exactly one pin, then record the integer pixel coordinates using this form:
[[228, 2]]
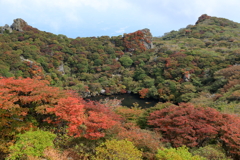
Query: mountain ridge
[[128, 63]]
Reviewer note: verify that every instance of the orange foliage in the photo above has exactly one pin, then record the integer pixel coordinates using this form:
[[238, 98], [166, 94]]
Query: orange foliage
[[22, 100], [134, 41], [87, 119], [143, 92]]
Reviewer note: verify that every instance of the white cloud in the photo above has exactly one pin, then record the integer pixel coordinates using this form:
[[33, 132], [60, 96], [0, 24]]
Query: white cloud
[[114, 15], [122, 30]]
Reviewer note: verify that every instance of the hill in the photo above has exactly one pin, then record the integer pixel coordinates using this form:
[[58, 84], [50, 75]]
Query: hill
[[177, 67], [43, 117]]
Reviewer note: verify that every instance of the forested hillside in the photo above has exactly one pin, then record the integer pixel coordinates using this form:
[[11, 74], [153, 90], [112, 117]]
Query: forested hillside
[[194, 72], [176, 67]]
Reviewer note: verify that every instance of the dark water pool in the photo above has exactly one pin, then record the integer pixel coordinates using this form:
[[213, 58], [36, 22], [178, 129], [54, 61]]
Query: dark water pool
[[128, 100]]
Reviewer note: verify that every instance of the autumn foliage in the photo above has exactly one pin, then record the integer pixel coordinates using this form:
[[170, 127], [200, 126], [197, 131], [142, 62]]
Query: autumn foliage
[[144, 140], [193, 126], [185, 124], [199, 64], [22, 105], [84, 119], [143, 92], [27, 103]]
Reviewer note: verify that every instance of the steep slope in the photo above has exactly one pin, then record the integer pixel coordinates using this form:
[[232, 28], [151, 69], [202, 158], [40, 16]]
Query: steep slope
[[194, 54], [80, 64]]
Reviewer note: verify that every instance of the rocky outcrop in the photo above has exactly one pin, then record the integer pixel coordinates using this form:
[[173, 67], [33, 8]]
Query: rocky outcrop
[[147, 41], [26, 60], [203, 18], [18, 25], [138, 41], [6, 28], [187, 77], [61, 68]]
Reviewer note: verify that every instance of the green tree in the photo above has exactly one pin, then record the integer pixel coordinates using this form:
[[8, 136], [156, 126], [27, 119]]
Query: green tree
[[180, 153], [118, 150], [213, 152], [31, 143], [126, 61]]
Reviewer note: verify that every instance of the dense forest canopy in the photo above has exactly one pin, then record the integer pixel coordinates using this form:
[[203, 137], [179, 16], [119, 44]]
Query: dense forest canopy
[[194, 72]]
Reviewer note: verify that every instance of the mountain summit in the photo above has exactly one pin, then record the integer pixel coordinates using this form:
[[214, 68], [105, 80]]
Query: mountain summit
[[209, 20], [203, 18], [18, 25]]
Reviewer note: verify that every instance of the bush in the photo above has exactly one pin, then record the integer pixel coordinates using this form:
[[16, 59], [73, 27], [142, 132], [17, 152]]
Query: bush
[[180, 153], [31, 143], [118, 150], [212, 152]]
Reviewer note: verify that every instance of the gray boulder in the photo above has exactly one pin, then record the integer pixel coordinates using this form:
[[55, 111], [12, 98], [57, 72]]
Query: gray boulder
[[147, 41], [5, 28], [18, 24]]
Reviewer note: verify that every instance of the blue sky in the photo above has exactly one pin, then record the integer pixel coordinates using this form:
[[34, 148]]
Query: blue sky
[[86, 18]]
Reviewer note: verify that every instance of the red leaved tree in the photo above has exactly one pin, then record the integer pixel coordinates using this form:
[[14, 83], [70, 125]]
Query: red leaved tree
[[25, 103], [192, 126], [84, 119], [143, 92], [185, 124], [100, 117], [22, 105], [230, 134]]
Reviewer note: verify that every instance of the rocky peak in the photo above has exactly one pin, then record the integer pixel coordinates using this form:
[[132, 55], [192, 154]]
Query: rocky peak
[[203, 18], [140, 40], [18, 25], [218, 21], [5, 28], [147, 38]]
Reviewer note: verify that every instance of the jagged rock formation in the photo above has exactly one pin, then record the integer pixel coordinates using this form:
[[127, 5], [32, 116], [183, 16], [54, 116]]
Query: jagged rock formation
[[140, 40], [147, 41], [5, 28], [18, 25]]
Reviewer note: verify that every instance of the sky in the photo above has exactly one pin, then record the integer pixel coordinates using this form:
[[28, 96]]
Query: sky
[[87, 18]]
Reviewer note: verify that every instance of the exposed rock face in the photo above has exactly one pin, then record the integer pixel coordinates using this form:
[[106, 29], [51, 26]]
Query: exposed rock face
[[6, 28], [27, 60], [140, 40], [187, 77], [61, 68], [147, 41], [18, 25]]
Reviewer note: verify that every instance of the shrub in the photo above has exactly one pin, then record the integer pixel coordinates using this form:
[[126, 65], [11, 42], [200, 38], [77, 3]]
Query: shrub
[[212, 152], [118, 150], [31, 143], [180, 153]]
